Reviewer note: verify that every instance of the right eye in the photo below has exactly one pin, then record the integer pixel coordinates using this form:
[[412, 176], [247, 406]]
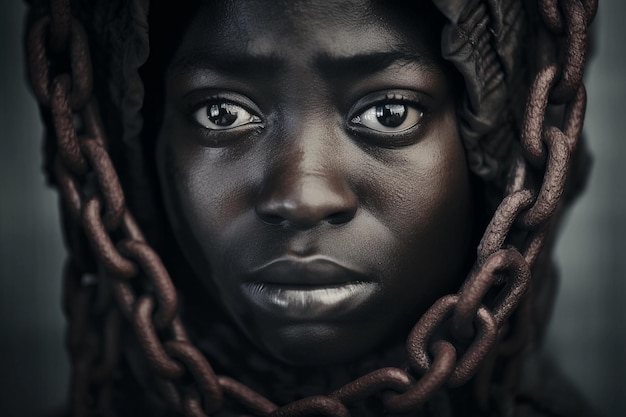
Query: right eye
[[389, 117], [223, 115]]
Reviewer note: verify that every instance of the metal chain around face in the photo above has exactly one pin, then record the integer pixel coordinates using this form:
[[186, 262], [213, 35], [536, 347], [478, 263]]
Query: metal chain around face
[[444, 348]]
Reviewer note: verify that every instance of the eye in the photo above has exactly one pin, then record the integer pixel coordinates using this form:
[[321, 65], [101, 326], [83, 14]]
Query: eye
[[389, 117], [223, 115]]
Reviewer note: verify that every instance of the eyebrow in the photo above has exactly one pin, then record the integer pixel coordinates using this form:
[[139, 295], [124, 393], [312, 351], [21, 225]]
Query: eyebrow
[[370, 63], [268, 66], [244, 66]]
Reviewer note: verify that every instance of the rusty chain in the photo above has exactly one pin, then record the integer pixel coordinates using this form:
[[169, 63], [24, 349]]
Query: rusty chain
[[445, 347]]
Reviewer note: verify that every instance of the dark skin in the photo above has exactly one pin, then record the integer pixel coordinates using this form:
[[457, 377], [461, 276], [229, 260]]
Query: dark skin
[[313, 172]]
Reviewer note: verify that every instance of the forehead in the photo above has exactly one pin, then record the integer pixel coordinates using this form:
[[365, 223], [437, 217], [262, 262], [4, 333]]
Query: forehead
[[301, 29]]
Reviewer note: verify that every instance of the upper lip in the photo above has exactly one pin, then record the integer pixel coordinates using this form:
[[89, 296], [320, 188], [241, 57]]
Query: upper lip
[[316, 271]]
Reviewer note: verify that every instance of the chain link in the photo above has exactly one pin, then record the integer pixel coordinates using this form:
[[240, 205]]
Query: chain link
[[40, 63], [445, 347], [439, 371], [162, 285], [433, 326], [201, 371], [504, 262], [313, 406], [385, 379], [246, 397], [553, 182]]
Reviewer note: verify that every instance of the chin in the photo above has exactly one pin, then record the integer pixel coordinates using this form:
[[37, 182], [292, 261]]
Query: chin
[[322, 344]]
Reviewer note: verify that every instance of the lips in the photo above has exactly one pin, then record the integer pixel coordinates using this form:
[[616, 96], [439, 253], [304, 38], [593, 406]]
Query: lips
[[317, 271], [314, 288]]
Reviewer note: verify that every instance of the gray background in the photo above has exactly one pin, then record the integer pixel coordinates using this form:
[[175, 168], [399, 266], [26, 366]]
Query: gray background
[[587, 334]]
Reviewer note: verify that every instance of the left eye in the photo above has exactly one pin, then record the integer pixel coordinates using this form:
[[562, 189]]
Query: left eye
[[389, 117], [222, 115]]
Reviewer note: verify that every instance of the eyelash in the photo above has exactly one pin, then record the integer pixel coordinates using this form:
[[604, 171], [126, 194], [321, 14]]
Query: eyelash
[[409, 128], [400, 115], [403, 114], [224, 110]]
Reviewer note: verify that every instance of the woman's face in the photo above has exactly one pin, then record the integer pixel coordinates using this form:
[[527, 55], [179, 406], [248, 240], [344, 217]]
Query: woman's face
[[312, 171]]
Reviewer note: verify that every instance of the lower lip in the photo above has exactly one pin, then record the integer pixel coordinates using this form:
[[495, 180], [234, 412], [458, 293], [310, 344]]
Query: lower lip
[[303, 302]]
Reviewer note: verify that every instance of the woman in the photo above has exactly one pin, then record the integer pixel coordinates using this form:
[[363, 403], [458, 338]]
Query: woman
[[315, 179]]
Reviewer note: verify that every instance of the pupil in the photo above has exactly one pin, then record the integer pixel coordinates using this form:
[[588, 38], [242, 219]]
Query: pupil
[[391, 115], [222, 114]]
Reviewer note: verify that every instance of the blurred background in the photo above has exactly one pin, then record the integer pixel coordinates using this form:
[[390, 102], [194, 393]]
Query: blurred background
[[588, 330]]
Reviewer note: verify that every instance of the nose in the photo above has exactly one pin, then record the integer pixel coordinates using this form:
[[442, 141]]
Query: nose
[[306, 189]]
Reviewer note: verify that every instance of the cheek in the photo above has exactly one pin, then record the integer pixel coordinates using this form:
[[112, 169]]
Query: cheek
[[193, 177], [431, 214], [426, 187], [443, 182], [208, 194], [189, 189]]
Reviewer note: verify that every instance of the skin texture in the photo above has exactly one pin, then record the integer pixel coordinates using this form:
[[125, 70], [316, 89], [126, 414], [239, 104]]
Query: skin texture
[[363, 228]]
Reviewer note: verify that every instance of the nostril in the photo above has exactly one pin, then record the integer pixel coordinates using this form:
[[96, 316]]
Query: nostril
[[271, 219], [306, 201], [340, 218], [303, 217]]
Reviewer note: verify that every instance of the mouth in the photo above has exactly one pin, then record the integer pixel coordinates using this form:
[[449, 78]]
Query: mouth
[[316, 288]]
